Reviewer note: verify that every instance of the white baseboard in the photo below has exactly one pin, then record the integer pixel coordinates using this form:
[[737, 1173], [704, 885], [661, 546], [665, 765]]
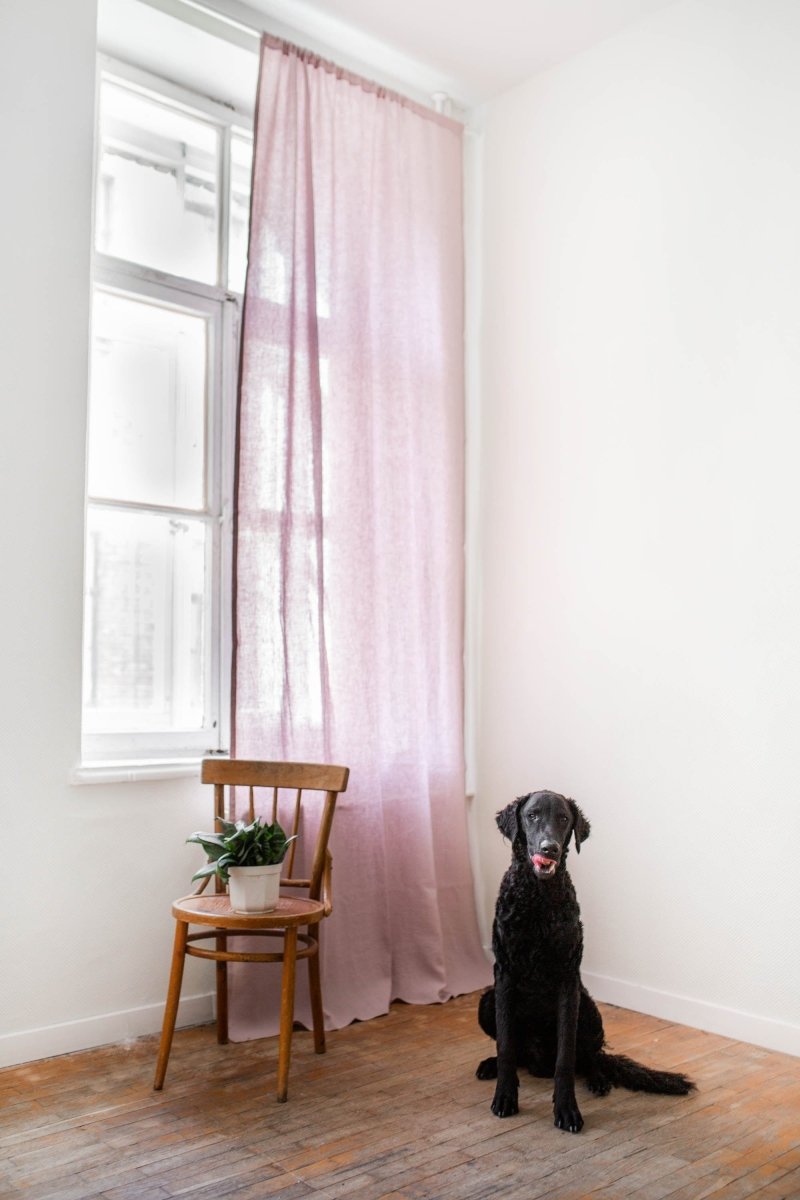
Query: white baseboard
[[51, 1040], [65, 1038], [729, 1022]]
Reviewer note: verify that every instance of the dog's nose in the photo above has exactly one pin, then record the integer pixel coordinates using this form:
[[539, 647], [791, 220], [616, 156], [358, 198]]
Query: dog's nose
[[550, 849]]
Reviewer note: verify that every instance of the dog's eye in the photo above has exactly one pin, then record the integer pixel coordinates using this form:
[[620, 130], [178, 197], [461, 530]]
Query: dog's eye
[[563, 819]]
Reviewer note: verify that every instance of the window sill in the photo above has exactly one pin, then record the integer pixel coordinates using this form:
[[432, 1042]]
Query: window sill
[[135, 770]]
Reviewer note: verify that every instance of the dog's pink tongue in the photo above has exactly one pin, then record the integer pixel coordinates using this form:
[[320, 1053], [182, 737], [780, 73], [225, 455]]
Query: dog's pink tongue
[[539, 860]]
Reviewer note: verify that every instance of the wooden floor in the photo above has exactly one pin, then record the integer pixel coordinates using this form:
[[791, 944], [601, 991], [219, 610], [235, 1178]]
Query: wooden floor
[[393, 1110]]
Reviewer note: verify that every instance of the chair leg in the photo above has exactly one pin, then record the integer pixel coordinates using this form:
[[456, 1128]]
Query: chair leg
[[171, 1008], [315, 995], [287, 1011], [222, 994]]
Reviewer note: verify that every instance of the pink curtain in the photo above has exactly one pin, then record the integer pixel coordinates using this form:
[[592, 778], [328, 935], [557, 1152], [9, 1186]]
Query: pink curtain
[[350, 522]]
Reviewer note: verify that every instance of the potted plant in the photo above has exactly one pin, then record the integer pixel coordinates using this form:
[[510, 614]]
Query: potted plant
[[248, 858]]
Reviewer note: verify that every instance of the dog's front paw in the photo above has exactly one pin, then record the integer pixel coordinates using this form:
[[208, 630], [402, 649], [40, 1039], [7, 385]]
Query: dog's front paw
[[505, 1103], [487, 1069], [566, 1114]]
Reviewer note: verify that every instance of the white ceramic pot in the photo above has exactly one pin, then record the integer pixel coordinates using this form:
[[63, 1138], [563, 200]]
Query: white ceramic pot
[[254, 889]]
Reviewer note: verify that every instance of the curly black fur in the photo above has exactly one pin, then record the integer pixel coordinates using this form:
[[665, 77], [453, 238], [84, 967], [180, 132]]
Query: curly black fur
[[538, 1011]]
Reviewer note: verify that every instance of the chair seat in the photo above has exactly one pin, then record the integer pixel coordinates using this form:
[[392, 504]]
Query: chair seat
[[215, 910]]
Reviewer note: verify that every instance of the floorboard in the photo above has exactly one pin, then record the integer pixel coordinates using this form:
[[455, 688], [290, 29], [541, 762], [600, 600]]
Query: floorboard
[[393, 1111]]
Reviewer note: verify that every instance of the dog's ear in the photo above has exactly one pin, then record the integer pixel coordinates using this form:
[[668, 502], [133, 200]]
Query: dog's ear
[[507, 818], [580, 826]]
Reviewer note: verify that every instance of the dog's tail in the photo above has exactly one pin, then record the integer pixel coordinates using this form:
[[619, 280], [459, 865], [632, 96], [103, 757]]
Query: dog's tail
[[621, 1071]]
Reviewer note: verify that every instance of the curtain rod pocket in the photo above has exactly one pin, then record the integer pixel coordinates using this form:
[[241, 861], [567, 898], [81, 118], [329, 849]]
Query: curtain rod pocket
[[318, 62]]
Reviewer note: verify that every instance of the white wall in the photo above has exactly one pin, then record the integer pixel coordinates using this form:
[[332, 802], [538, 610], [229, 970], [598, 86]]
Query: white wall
[[641, 500], [88, 872]]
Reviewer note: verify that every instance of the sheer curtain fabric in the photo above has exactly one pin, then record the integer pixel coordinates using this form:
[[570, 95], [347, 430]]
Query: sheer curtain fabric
[[350, 521]]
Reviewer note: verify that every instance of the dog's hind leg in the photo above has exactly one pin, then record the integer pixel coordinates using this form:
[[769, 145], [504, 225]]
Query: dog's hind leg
[[487, 1019], [487, 1016], [591, 1036], [590, 1042], [598, 1082]]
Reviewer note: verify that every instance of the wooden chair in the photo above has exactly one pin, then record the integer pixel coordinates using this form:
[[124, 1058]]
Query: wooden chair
[[293, 914]]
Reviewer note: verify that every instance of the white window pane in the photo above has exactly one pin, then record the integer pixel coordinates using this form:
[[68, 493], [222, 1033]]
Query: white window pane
[[147, 425], [157, 198], [241, 172], [145, 621]]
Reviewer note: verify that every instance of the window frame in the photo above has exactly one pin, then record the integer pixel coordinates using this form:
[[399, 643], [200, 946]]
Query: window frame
[[137, 754]]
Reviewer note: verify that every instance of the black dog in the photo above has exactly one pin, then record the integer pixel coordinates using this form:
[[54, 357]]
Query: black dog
[[538, 1011]]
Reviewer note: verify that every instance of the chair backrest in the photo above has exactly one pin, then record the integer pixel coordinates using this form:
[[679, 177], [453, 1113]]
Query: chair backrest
[[280, 776]]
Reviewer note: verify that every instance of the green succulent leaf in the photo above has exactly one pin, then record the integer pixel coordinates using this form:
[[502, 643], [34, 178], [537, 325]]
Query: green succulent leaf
[[204, 872], [238, 844]]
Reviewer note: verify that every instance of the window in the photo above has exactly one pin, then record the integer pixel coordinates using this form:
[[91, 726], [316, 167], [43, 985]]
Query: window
[[171, 217]]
